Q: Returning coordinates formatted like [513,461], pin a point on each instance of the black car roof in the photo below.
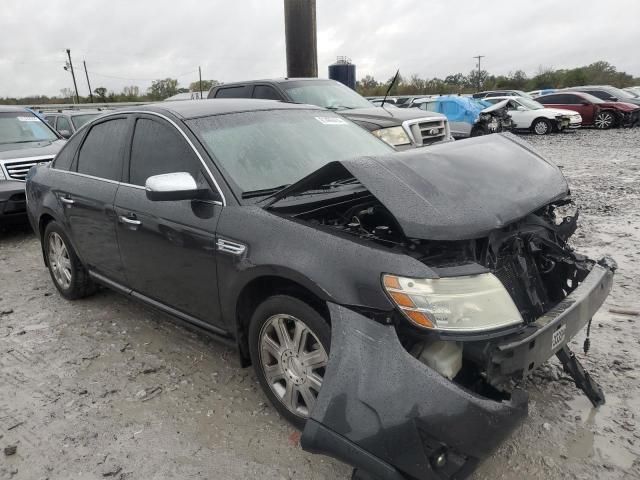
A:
[201,108]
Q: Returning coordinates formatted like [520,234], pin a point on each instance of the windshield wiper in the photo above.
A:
[339,107]
[24,141]
[263,192]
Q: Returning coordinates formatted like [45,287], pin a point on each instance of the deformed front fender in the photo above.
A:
[383,411]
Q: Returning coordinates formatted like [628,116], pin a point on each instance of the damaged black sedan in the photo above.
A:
[392,304]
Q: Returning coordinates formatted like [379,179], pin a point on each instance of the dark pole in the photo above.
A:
[200,75]
[300,38]
[479,57]
[73,75]
[85,72]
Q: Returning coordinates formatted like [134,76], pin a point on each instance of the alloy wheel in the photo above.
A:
[604,120]
[59,261]
[541,128]
[293,361]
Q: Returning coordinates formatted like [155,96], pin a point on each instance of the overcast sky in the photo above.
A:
[126,42]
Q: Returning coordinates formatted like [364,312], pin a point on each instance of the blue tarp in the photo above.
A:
[457,108]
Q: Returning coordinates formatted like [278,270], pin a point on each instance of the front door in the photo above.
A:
[168,247]
[88,195]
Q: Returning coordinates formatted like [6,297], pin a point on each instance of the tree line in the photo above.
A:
[598,73]
[159,90]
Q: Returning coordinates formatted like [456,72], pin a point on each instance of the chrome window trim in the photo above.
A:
[184,135]
[176,126]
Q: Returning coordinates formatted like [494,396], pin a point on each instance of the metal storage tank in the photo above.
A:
[344,72]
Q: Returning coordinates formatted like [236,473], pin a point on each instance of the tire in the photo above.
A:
[67,272]
[477,132]
[541,126]
[604,120]
[290,372]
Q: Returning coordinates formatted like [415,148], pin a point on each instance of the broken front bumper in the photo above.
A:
[383,411]
[12,199]
[520,354]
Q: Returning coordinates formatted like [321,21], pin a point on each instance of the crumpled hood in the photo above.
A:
[11,151]
[451,191]
[384,117]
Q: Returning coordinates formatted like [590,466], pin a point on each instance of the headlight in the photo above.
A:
[471,303]
[393,136]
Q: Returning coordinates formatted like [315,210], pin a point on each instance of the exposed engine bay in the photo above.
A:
[531,257]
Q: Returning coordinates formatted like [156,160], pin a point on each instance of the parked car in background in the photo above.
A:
[377,101]
[25,140]
[187,96]
[527,114]
[392,303]
[67,122]
[401,128]
[501,93]
[607,93]
[468,117]
[595,112]
[537,93]
[633,90]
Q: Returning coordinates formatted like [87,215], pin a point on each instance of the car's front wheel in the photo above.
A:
[541,126]
[604,120]
[67,272]
[289,344]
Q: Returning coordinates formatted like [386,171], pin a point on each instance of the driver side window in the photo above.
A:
[158,148]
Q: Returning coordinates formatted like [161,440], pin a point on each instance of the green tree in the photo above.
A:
[163,88]
[101,92]
[206,85]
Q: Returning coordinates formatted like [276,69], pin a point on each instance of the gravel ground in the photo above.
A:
[106,388]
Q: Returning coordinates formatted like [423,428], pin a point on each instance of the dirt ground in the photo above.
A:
[106,388]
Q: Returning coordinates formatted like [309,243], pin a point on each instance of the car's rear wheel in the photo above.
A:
[604,120]
[542,126]
[67,272]
[289,344]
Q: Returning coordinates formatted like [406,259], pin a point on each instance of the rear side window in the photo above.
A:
[450,108]
[266,92]
[63,124]
[550,99]
[602,95]
[65,157]
[157,149]
[101,153]
[234,92]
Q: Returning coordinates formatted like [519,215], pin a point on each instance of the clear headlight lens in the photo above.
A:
[394,136]
[472,303]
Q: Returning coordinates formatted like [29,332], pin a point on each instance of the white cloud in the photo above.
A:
[130,43]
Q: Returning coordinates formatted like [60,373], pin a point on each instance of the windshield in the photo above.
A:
[530,104]
[23,127]
[326,94]
[268,150]
[79,120]
[591,98]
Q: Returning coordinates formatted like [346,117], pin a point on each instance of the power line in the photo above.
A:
[479,58]
[140,79]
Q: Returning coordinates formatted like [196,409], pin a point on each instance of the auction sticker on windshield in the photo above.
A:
[331,120]
[28,119]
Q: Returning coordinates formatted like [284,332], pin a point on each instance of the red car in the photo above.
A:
[596,112]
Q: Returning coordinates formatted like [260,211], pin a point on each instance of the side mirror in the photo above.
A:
[65,133]
[172,186]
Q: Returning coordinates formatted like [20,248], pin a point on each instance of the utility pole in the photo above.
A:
[88,83]
[479,58]
[300,38]
[200,75]
[69,66]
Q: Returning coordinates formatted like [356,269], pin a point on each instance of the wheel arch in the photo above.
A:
[553,122]
[45,219]
[256,291]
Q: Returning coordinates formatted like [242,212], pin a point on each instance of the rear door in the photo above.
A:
[581,105]
[168,247]
[455,113]
[88,191]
